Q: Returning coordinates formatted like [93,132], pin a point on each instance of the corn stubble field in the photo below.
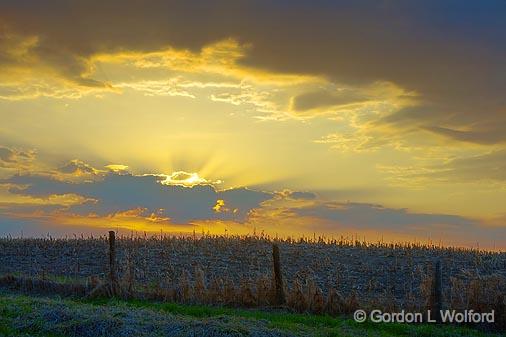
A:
[320,276]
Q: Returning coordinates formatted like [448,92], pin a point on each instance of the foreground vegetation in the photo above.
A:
[325,277]
[21,315]
[320,275]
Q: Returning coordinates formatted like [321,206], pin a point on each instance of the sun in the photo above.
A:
[185,179]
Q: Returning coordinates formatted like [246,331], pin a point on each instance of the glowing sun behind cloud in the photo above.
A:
[186,179]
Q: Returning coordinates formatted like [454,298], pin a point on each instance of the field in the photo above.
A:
[326,277]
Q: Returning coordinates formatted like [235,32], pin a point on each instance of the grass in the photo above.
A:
[12,306]
[277,319]
[317,325]
[7,315]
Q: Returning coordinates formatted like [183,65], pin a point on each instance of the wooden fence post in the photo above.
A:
[437,292]
[278,279]
[112,261]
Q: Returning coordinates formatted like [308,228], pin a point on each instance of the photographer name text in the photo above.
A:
[446,316]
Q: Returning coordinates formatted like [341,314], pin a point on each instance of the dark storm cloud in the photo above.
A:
[449,52]
[120,192]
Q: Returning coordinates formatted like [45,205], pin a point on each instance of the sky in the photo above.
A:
[383,120]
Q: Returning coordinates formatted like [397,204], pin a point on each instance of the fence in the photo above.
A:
[130,273]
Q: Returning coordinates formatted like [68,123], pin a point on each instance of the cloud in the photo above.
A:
[41,224]
[187,179]
[169,87]
[372,216]
[237,198]
[10,156]
[491,136]
[349,44]
[148,202]
[297,195]
[14,158]
[324,99]
[302,195]
[29,68]
[117,167]
[373,75]
[116,192]
[488,168]
[77,167]
[375,222]
[18,227]
[349,141]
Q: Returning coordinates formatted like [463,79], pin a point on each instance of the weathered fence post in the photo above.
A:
[112,261]
[278,279]
[437,292]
